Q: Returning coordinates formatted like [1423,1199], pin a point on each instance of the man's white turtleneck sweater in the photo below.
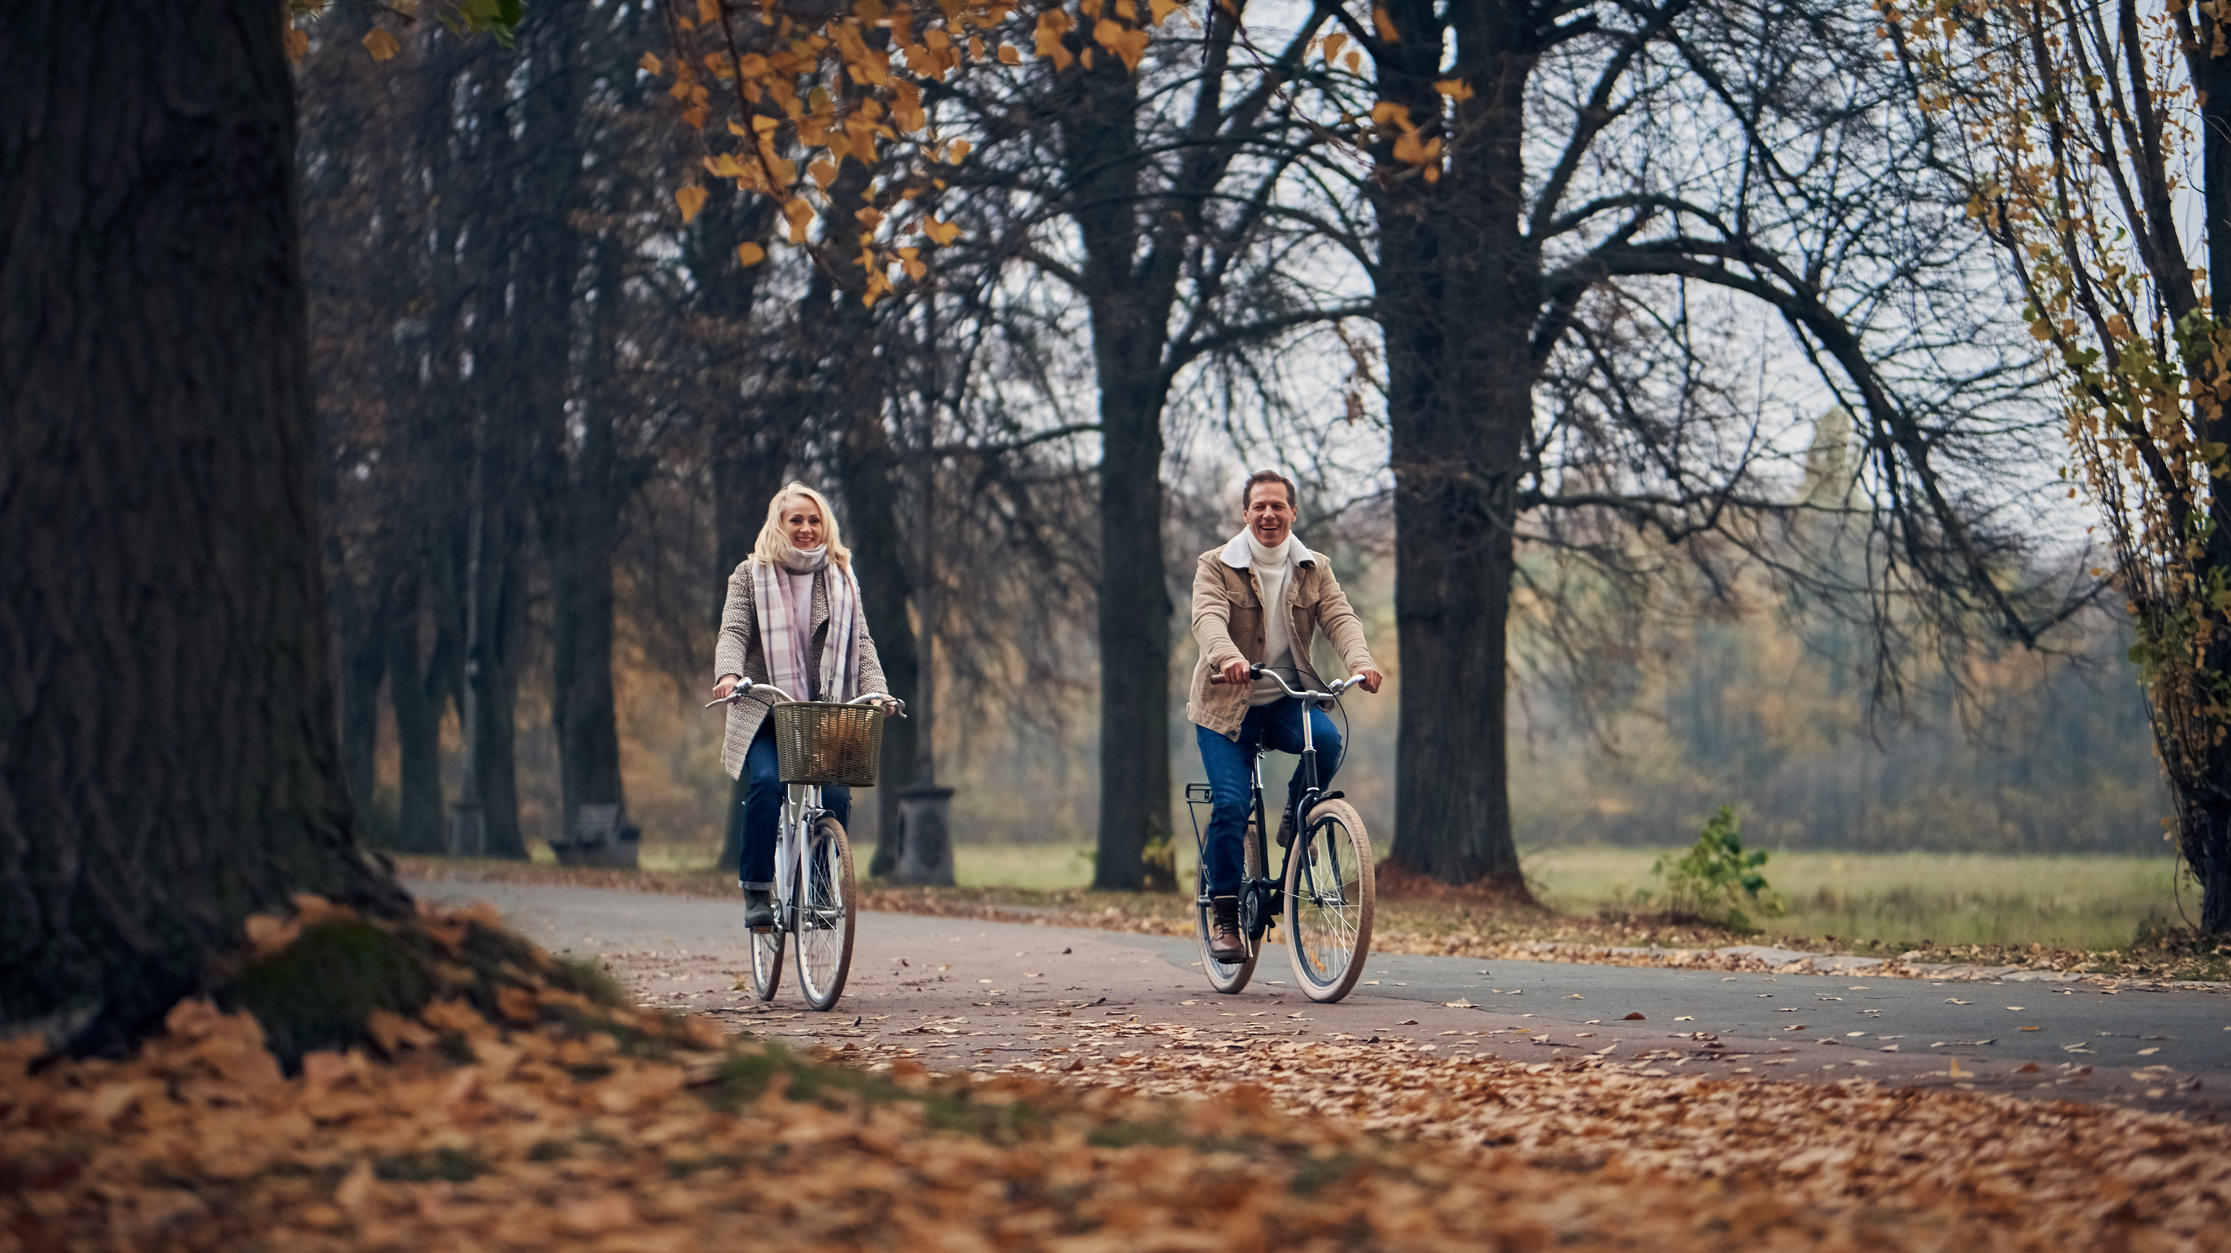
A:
[1273,567]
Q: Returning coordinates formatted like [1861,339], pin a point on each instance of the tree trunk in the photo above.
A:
[879,562]
[363,644]
[1130,299]
[2206,819]
[494,659]
[414,693]
[1134,624]
[1458,291]
[582,702]
[748,449]
[168,759]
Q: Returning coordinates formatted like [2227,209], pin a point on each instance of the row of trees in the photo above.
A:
[1559,218]
[1546,184]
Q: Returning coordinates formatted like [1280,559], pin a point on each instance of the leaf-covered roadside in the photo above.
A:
[1414,917]
[2074,1175]
[557,1121]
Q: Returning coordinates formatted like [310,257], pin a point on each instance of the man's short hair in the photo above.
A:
[1247,490]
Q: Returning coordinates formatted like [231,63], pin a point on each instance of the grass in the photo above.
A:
[1933,900]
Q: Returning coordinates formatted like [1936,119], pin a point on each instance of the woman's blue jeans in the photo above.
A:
[763,797]
[1230,766]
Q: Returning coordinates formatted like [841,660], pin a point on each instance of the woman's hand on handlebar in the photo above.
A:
[727,686]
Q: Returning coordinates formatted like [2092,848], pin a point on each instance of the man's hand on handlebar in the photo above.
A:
[1237,670]
[1371,679]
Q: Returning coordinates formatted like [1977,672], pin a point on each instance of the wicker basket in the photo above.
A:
[827,743]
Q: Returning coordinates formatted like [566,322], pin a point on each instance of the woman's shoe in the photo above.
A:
[759,909]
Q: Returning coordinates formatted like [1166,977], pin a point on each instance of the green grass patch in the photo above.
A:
[1911,900]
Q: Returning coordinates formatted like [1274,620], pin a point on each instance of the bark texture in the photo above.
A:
[1459,290]
[168,757]
[1129,288]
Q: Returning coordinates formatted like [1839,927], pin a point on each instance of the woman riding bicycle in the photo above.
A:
[1263,565]
[793,619]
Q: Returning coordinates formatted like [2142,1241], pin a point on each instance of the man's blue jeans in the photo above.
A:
[1230,766]
[763,798]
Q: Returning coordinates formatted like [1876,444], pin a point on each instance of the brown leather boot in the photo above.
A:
[1225,944]
[1286,827]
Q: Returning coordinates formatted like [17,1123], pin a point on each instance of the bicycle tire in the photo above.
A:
[766,962]
[1331,896]
[1228,977]
[825,916]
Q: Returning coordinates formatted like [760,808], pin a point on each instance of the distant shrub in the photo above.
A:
[1717,880]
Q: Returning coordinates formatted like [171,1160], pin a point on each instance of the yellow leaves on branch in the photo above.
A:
[1127,42]
[382,44]
[805,97]
[1052,25]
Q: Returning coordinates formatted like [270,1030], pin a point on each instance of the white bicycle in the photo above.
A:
[817,743]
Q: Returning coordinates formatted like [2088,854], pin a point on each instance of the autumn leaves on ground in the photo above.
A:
[435,1083]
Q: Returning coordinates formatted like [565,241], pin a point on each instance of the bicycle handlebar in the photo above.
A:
[745,686]
[1258,670]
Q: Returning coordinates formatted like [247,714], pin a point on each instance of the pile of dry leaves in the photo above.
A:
[538,1115]
[2070,1175]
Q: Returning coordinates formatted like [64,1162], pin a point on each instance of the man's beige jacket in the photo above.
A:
[1228,623]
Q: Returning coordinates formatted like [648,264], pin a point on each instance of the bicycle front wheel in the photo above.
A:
[766,962]
[825,907]
[1330,895]
[1230,977]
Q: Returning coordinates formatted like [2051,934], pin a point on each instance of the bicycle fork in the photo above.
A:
[801,805]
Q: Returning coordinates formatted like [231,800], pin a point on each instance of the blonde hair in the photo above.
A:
[773,541]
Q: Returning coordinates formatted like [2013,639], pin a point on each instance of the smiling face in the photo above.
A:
[802,522]
[1269,514]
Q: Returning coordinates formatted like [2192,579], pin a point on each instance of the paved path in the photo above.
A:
[964,993]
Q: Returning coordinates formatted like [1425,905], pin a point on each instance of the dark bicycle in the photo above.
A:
[1324,888]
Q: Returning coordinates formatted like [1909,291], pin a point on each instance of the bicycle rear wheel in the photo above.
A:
[1229,977]
[825,907]
[1330,896]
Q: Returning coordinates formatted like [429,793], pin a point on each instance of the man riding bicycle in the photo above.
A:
[1264,565]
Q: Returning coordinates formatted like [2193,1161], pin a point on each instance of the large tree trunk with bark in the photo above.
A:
[582,705]
[750,454]
[168,759]
[1134,621]
[1459,287]
[865,468]
[1130,299]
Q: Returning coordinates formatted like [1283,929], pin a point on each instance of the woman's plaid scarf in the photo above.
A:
[778,638]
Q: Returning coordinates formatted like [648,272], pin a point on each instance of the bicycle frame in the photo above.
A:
[1266,897]
[801,809]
